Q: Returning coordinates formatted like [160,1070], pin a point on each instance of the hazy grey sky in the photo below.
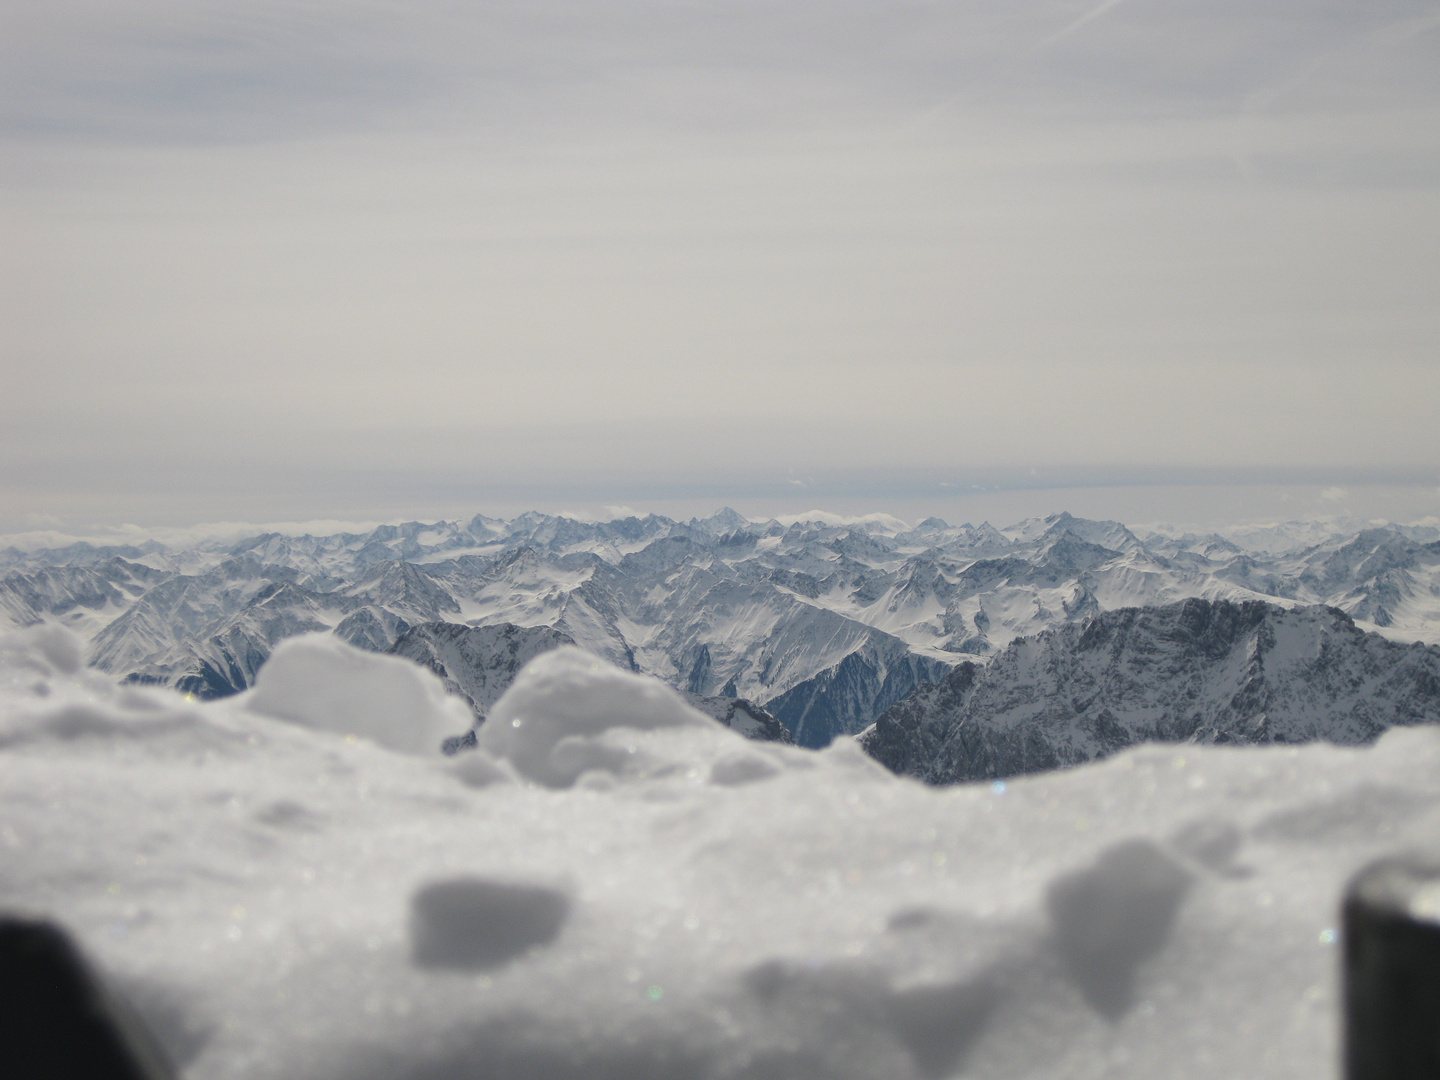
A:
[368,259]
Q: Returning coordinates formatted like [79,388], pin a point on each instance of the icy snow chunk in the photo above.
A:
[61,648]
[562,714]
[480,770]
[1111,917]
[320,682]
[48,697]
[43,650]
[470,924]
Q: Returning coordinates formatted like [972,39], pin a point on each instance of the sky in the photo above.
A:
[371,260]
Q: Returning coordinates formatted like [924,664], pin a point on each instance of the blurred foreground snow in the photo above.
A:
[614,885]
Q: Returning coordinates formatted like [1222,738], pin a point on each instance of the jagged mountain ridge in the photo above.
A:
[1197,671]
[477,663]
[208,634]
[741,715]
[825,624]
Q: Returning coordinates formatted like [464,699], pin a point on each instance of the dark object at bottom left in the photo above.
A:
[58,1020]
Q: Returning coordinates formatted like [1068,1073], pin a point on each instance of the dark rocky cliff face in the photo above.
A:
[840,699]
[908,736]
[1197,671]
[477,662]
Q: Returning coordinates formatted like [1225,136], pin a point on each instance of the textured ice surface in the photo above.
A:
[620,887]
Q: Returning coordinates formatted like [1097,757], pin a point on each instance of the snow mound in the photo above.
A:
[43,652]
[320,682]
[569,713]
[51,700]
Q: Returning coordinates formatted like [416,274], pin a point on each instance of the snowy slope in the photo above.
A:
[83,597]
[1198,672]
[281,898]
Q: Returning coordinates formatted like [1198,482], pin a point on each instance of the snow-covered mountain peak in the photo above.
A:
[722,522]
[1106,534]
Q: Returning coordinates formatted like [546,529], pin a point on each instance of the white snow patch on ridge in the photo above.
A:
[569,714]
[618,887]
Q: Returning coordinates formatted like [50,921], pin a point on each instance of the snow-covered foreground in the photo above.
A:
[616,886]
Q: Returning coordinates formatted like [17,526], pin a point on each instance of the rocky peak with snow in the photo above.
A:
[1199,671]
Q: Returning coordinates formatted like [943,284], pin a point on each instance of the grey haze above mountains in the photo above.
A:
[824,625]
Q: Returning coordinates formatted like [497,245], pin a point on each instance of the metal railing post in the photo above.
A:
[1391,949]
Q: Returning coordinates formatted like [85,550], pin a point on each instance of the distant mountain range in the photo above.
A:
[823,625]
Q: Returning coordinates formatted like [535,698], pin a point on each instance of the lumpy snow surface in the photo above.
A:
[615,886]
[320,682]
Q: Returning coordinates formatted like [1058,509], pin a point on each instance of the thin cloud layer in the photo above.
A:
[338,256]
[174,70]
